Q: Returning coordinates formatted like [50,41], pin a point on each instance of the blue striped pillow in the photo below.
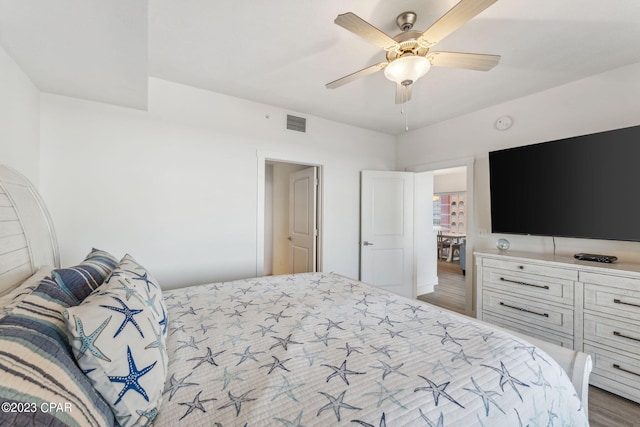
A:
[79,281]
[37,367]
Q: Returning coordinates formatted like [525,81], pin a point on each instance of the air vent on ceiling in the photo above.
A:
[296,123]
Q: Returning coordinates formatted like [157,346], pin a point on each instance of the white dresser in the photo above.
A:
[581,305]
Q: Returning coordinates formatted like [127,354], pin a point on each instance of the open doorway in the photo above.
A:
[292,218]
[452,223]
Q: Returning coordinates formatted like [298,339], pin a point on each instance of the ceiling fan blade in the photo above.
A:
[470,61]
[403,93]
[462,12]
[353,76]
[359,26]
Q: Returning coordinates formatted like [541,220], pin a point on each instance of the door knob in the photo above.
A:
[289,238]
[365,243]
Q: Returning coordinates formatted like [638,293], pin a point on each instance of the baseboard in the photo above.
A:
[427,288]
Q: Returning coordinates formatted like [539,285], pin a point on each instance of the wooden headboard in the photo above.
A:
[27,237]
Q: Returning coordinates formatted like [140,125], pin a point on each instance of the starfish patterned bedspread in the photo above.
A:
[321,349]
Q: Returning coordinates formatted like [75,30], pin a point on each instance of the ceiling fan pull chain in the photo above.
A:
[405,96]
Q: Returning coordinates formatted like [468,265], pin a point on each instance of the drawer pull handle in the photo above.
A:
[616,366]
[618,334]
[524,284]
[524,309]
[617,301]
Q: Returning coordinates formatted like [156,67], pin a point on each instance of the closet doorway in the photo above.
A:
[292,221]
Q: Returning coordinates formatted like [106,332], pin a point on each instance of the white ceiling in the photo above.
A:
[282,52]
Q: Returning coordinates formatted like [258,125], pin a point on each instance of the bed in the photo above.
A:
[100,343]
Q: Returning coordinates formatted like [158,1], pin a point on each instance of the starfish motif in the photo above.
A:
[227,377]
[394,334]
[506,378]
[237,401]
[540,381]
[247,355]
[143,277]
[263,330]
[448,338]
[130,380]
[175,385]
[209,358]
[462,356]
[350,349]
[341,372]
[205,328]
[331,324]
[235,313]
[157,343]
[383,422]
[163,321]
[128,316]
[185,312]
[386,320]
[190,343]
[196,403]
[443,325]
[431,423]
[487,396]
[532,352]
[437,390]
[276,316]
[286,389]
[245,304]
[151,301]
[284,342]
[388,369]
[308,313]
[294,423]
[311,357]
[88,342]
[129,292]
[363,301]
[276,364]
[413,308]
[384,350]
[384,394]
[323,338]
[336,403]
[150,415]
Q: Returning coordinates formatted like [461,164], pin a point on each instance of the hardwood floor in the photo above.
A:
[449,292]
[605,409]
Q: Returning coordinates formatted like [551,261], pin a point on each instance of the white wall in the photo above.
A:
[450,182]
[268,220]
[602,102]
[19,119]
[177,186]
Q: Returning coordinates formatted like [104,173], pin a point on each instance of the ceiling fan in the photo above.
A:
[409,55]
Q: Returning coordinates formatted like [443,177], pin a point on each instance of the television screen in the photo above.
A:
[585,186]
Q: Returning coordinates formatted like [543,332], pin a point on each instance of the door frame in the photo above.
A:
[262,157]
[470,221]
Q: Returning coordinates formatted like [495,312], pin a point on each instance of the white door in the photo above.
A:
[386,231]
[302,220]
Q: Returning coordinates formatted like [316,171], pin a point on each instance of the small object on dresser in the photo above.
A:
[595,257]
[502,244]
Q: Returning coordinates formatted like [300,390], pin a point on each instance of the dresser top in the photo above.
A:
[562,261]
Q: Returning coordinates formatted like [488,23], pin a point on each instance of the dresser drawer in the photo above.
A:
[619,302]
[526,329]
[542,270]
[630,283]
[529,312]
[527,284]
[614,372]
[612,333]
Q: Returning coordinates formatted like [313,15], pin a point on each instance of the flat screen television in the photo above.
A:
[586,187]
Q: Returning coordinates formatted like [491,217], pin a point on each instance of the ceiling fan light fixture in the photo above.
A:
[407,69]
